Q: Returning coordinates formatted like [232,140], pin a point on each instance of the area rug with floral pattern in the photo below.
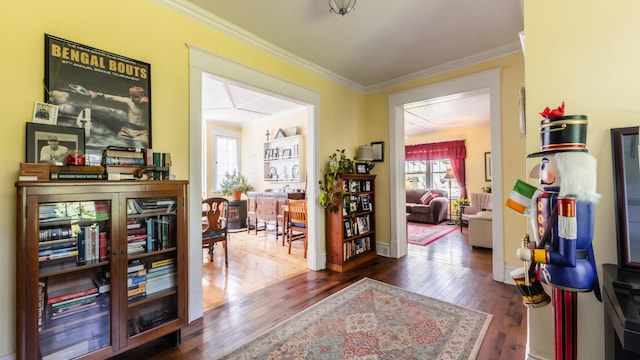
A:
[425,234]
[373,320]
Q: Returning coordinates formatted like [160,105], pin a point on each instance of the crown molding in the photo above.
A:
[210,20]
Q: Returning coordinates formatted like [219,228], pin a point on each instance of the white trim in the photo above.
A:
[203,61]
[487,81]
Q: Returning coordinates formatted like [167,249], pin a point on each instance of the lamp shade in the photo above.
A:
[449,175]
[365,153]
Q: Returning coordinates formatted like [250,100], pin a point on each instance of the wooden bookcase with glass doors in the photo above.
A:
[101,266]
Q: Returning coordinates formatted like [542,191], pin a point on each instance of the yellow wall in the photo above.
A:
[587,59]
[477,141]
[144,31]
[148,32]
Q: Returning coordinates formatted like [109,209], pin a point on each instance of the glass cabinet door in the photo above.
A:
[74,239]
[152,297]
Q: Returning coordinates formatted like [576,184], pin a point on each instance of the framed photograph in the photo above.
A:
[487,166]
[105,94]
[44,113]
[286,153]
[51,143]
[293,130]
[378,151]
[361,168]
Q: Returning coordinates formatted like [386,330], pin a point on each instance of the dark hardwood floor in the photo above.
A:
[448,269]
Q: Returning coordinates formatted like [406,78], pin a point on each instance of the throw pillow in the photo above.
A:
[426,198]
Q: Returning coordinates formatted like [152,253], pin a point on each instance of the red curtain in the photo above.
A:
[455,151]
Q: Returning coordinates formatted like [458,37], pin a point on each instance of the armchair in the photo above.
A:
[479,202]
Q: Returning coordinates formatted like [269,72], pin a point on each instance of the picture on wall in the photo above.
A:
[51,143]
[105,94]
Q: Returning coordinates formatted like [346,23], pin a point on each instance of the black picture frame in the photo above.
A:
[362,168]
[487,166]
[378,151]
[626,167]
[37,137]
[106,94]
[286,153]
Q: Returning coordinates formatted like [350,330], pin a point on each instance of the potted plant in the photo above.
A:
[234,185]
[339,164]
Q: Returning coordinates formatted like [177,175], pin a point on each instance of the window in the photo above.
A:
[429,174]
[225,158]
[221,155]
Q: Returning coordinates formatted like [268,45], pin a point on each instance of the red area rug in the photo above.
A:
[425,234]
[373,320]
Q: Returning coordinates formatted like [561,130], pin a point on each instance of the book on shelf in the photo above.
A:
[76,169]
[136,296]
[103,285]
[72,292]
[161,268]
[124,153]
[64,255]
[169,269]
[158,263]
[113,160]
[75,302]
[136,280]
[42,291]
[76,176]
[57,244]
[138,289]
[57,233]
[135,265]
[75,311]
[126,148]
[136,273]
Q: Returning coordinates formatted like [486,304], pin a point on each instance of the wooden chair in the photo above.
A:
[267,212]
[298,222]
[214,225]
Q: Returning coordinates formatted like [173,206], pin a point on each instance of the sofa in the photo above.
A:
[433,212]
[480,232]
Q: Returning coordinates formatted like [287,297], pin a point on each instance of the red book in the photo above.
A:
[103,245]
[72,293]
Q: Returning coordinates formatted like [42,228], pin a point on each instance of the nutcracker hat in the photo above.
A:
[561,133]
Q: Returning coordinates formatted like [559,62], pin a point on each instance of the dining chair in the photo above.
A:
[214,225]
[297,224]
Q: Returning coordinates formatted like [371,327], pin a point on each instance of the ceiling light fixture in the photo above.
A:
[342,7]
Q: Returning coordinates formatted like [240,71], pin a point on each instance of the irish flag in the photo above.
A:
[521,196]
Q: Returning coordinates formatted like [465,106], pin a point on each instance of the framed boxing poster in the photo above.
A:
[107,95]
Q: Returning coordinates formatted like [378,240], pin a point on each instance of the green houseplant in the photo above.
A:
[234,185]
[339,164]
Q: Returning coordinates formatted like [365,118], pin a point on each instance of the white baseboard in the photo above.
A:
[383,249]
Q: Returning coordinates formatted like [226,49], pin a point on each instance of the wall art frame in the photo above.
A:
[487,166]
[44,113]
[378,151]
[106,94]
[38,135]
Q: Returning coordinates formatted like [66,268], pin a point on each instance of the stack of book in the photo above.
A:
[161,275]
[57,243]
[158,165]
[76,172]
[124,163]
[71,301]
[136,280]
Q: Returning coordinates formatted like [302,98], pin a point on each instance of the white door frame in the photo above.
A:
[489,80]
[203,61]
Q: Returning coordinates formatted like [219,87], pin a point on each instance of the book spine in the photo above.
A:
[162,262]
[103,246]
[124,154]
[109,160]
[72,295]
[149,235]
[76,176]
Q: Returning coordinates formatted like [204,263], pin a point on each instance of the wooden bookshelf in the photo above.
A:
[86,253]
[351,236]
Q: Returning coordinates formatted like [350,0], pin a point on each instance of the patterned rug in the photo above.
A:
[373,320]
[425,234]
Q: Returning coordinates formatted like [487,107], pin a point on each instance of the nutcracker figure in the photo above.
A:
[562,221]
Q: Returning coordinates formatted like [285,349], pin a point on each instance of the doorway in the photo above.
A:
[489,80]
[201,61]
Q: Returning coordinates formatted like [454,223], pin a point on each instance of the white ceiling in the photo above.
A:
[381,43]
